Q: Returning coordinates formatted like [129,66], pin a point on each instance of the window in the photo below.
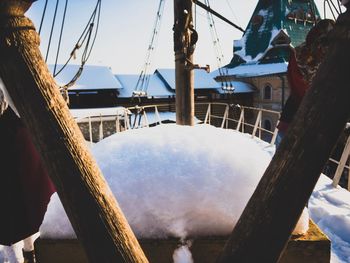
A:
[257,21]
[267,92]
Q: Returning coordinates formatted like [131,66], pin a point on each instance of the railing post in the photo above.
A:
[145,119]
[126,120]
[258,120]
[100,129]
[241,118]
[274,136]
[342,163]
[117,124]
[225,116]
[90,130]
[207,115]
[157,114]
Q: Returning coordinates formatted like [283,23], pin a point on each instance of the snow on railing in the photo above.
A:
[146,116]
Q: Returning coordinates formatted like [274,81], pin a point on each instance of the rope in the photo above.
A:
[60,38]
[85,38]
[144,78]
[332,7]
[51,32]
[43,16]
[217,48]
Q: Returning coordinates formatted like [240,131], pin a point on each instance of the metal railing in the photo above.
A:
[248,120]
[342,165]
[243,124]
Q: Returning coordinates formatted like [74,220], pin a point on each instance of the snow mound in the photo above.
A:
[176,181]
[329,207]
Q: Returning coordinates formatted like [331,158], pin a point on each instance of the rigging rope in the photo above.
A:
[218,50]
[60,38]
[335,10]
[86,34]
[43,16]
[84,39]
[51,32]
[144,78]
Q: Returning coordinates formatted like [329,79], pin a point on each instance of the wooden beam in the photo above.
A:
[90,205]
[271,214]
[184,44]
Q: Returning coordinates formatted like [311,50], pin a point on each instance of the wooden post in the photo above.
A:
[184,43]
[267,222]
[90,205]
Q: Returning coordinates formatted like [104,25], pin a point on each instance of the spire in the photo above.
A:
[274,23]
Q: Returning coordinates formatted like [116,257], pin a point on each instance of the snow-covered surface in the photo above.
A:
[93,112]
[200,188]
[177,195]
[202,79]
[239,87]
[156,87]
[92,77]
[254,69]
[184,176]
[329,207]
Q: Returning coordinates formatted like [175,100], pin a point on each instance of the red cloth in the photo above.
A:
[298,87]
[25,188]
[297,84]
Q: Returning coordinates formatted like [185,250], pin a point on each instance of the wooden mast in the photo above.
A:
[184,43]
[272,212]
[91,207]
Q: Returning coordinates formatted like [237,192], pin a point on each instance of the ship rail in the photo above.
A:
[243,119]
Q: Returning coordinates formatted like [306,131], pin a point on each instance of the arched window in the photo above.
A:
[267,92]
[267,125]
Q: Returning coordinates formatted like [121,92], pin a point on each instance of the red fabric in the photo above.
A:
[282,126]
[25,188]
[298,87]
[296,81]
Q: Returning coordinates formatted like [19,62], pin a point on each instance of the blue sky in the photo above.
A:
[125,31]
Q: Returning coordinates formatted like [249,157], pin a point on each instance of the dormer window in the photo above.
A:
[257,21]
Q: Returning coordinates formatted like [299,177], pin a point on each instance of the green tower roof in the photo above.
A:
[274,24]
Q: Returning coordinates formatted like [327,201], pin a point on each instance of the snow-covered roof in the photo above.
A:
[83,113]
[156,87]
[255,70]
[239,87]
[92,77]
[202,79]
[269,19]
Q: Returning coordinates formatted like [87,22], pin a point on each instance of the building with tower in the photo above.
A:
[261,56]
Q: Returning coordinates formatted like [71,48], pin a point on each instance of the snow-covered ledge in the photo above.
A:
[178,184]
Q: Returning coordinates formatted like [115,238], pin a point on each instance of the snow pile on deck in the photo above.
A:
[329,207]
[176,181]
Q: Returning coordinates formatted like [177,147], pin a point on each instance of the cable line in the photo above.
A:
[335,10]
[51,32]
[144,78]
[43,16]
[84,40]
[60,38]
[207,8]
[218,50]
